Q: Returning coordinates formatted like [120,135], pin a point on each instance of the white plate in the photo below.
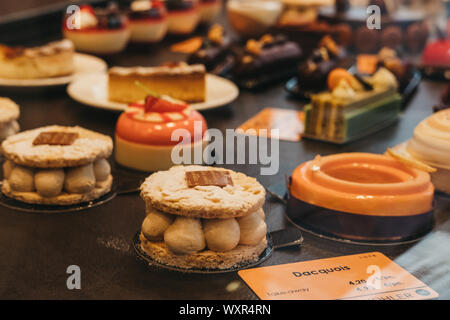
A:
[92,90]
[84,64]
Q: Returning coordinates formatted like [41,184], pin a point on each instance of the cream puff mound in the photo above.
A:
[207,259]
[203,239]
[53,186]
[203,243]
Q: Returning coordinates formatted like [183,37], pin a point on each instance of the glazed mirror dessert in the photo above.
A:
[203,218]
[144,133]
[57,165]
[361,196]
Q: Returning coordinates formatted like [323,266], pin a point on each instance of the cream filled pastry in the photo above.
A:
[429,148]
[203,217]
[56,165]
[9,113]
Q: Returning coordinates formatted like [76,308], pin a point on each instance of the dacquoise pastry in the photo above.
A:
[9,113]
[54,59]
[203,218]
[57,165]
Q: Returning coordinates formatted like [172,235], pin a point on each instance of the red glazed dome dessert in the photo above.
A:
[437,53]
[148,20]
[146,134]
[361,196]
[436,59]
[99,31]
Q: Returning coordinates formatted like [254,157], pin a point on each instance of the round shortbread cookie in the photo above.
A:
[207,259]
[168,191]
[62,199]
[9,110]
[88,147]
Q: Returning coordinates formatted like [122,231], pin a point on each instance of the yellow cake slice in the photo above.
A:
[181,81]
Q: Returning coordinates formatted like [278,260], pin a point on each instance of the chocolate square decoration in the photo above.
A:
[219,178]
[55,138]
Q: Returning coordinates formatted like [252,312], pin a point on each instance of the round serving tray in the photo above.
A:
[279,192]
[152,263]
[84,64]
[358,229]
[39,208]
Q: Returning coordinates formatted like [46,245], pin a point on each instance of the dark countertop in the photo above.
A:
[36,249]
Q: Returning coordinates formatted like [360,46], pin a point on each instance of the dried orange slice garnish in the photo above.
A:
[188,46]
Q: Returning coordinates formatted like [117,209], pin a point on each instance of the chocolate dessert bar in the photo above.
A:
[266,60]
[214,51]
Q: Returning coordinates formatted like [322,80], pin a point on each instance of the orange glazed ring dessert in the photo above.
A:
[361,196]
[144,134]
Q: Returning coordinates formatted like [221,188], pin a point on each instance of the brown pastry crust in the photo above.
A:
[63,199]
[86,149]
[206,259]
[168,192]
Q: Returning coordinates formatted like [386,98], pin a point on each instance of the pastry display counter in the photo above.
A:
[36,249]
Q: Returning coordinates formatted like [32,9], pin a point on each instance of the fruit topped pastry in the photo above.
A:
[353,106]
[436,58]
[100,31]
[214,49]
[268,57]
[313,73]
[148,20]
[144,133]
[368,64]
[183,16]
